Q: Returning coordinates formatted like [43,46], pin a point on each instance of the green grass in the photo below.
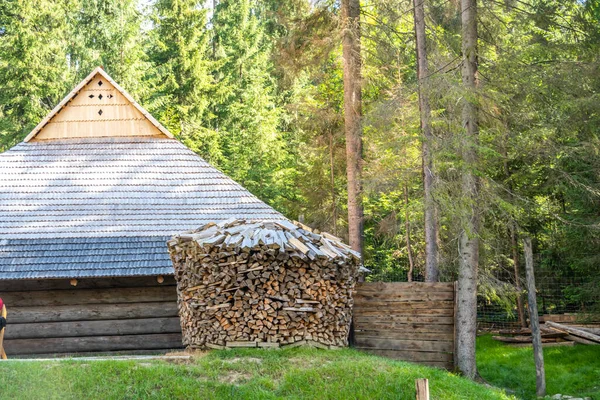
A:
[239,374]
[574,371]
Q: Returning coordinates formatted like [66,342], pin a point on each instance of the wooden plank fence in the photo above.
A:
[406,321]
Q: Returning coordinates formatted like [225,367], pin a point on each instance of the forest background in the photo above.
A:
[256,88]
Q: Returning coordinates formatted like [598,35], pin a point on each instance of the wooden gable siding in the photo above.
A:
[98,315]
[98,110]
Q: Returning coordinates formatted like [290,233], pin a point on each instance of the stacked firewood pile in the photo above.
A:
[553,333]
[263,284]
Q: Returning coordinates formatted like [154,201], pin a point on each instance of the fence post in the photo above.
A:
[538,352]
[422,387]
[455,342]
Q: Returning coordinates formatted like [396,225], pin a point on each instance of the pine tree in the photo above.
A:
[352,119]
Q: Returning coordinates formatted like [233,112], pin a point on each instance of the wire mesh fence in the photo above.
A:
[560,298]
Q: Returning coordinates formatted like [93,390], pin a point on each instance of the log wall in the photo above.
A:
[96,316]
[406,321]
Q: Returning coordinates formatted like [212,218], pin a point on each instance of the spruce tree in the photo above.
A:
[180,77]
[33,70]
[245,111]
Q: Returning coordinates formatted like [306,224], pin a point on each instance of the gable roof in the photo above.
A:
[105,206]
[85,205]
[97,107]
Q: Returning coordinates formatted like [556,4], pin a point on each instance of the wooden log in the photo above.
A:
[268,345]
[522,339]
[552,344]
[595,331]
[422,389]
[82,283]
[580,340]
[90,296]
[574,331]
[92,312]
[93,328]
[241,344]
[300,309]
[93,344]
[538,353]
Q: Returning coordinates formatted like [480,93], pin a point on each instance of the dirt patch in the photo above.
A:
[180,361]
[234,377]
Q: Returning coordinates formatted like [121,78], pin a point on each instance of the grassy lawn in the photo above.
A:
[239,374]
[574,371]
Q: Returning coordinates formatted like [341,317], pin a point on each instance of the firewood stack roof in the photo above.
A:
[297,239]
[263,284]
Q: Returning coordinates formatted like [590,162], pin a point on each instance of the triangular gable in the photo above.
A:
[97,107]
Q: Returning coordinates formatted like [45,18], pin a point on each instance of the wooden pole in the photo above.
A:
[422,386]
[538,354]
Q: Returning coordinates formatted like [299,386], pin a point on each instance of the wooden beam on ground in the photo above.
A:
[552,344]
[574,331]
[536,335]
[579,340]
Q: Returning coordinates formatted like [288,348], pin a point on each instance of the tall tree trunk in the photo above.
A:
[352,118]
[469,239]
[431,224]
[516,265]
[332,177]
[513,235]
[411,263]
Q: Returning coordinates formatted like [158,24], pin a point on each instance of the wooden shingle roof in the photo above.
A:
[105,206]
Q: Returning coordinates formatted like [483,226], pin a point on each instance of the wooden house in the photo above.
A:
[87,203]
